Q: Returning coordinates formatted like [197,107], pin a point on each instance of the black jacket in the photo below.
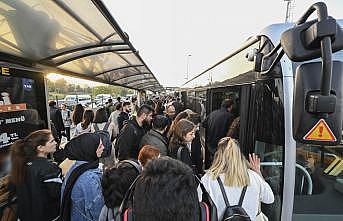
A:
[185,154]
[39,196]
[170,121]
[123,116]
[155,139]
[129,138]
[216,124]
[56,118]
[196,153]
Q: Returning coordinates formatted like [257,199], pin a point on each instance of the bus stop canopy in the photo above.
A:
[78,38]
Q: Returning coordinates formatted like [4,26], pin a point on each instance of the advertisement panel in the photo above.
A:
[22,104]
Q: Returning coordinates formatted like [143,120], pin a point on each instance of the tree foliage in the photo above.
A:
[62,87]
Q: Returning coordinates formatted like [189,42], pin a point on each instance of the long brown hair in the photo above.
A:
[180,116]
[25,150]
[88,117]
[183,127]
[77,114]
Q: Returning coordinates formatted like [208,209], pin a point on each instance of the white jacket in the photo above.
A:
[258,190]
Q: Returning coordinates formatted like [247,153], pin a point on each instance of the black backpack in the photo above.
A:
[233,213]
[106,139]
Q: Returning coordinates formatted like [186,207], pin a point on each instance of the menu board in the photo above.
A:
[22,104]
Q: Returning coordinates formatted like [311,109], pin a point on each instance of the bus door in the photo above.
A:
[260,109]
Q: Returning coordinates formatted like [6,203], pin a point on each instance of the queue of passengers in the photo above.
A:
[153,175]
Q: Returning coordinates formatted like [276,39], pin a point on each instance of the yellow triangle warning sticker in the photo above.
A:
[320,132]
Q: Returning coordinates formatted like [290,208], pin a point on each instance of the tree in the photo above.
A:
[71,88]
[102,90]
[61,85]
[51,85]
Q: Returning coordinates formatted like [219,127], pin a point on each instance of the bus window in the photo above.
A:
[200,102]
[219,94]
[319,185]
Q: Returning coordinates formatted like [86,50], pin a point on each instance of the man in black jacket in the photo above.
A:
[56,118]
[217,124]
[127,144]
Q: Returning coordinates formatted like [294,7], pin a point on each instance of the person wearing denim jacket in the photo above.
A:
[86,195]
[82,198]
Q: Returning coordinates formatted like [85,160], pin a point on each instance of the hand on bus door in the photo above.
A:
[254,163]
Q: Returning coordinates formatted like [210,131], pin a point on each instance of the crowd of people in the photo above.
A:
[145,162]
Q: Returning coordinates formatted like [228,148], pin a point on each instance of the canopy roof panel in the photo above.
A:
[75,37]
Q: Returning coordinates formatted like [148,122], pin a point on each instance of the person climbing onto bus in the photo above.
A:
[232,176]
[216,125]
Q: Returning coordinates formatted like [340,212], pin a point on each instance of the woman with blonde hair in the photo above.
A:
[231,170]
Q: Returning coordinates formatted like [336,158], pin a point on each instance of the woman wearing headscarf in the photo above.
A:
[82,199]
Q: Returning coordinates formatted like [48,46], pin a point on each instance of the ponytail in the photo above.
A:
[18,161]
[24,151]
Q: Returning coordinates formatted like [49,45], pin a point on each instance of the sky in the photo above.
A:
[54,77]
[169,34]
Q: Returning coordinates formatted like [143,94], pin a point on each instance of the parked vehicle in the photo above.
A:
[101,99]
[72,100]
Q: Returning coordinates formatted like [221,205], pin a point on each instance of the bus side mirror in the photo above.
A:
[317,119]
[302,42]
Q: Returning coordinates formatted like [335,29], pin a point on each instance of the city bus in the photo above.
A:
[270,81]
